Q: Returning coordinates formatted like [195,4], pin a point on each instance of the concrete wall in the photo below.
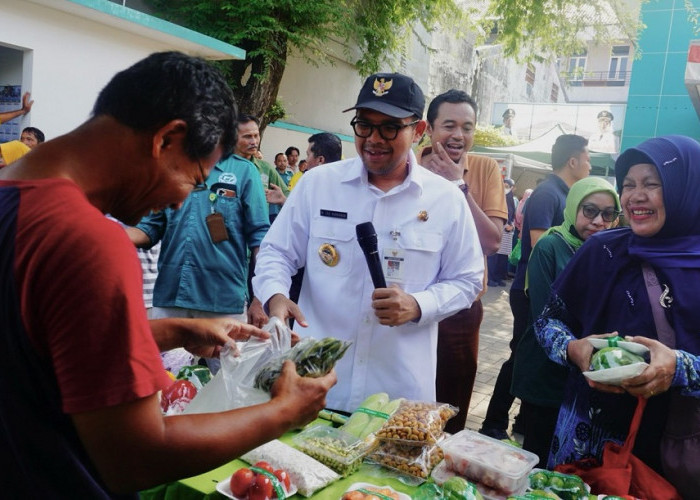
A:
[66,58]
[316,95]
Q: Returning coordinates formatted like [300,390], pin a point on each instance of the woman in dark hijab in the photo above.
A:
[603,291]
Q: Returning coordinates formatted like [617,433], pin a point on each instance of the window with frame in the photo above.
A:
[619,60]
[577,66]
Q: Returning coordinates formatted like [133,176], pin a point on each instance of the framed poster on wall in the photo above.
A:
[10,99]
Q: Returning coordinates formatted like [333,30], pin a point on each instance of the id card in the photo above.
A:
[393,264]
[216,227]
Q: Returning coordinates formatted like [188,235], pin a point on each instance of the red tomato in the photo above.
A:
[261,489]
[283,478]
[265,466]
[241,481]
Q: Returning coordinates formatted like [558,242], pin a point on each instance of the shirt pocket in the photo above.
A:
[232,211]
[335,239]
[423,255]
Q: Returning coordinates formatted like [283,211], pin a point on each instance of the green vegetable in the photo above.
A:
[198,375]
[371,415]
[538,480]
[611,357]
[428,491]
[313,358]
[458,488]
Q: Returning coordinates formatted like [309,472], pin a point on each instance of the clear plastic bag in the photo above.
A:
[308,474]
[313,358]
[233,385]
[417,422]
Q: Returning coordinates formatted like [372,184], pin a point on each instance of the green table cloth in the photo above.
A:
[204,486]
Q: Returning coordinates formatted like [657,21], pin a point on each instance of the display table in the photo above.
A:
[204,486]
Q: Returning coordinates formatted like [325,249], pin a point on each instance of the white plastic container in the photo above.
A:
[488,461]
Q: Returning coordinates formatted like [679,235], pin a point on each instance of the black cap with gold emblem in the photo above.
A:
[393,94]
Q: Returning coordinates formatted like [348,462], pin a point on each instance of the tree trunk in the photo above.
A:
[256,80]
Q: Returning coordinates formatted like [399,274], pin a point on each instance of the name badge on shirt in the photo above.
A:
[334,214]
[393,264]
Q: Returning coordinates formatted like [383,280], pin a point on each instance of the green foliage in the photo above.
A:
[375,33]
[490,136]
[382,28]
[538,30]
[265,28]
[276,112]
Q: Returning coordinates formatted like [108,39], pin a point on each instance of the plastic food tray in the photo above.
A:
[488,461]
[339,450]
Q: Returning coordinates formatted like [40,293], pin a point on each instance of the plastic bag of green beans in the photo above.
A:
[313,358]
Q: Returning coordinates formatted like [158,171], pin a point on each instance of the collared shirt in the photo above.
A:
[426,219]
[286,176]
[483,176]
[270,175]
[193,272]
[545,208]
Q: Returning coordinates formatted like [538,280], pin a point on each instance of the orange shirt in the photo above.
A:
[483,176]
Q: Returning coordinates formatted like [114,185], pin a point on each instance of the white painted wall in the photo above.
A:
[66,60]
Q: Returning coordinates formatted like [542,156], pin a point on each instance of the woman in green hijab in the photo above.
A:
[592,205]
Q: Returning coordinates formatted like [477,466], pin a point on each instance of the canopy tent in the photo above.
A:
[540,149]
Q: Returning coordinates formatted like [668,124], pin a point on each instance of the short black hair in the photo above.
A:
[453,96]
[168,86]
[567,146]
[278,155]
[327,145]
[289,150]
[38,134]
[245,118]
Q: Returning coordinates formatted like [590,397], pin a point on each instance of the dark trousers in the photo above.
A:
[458,350]
[498,267]
[502,399]
[539,422]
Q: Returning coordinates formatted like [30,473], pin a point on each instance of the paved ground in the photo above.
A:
[496,332]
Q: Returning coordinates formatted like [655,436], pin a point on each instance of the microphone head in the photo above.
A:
[366,236]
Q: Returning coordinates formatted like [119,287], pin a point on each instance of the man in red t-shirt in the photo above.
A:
[81,367]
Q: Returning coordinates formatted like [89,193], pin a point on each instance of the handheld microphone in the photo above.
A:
[367,238]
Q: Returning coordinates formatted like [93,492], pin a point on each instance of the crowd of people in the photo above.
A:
[241,240]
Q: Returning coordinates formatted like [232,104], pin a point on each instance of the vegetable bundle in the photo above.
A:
[313,358]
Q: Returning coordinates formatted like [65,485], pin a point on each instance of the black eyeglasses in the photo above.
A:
[201,186]
[591,212]
[387,131]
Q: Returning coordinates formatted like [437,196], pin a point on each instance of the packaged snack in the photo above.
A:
[308,474]
[488,461]
[409,459]
[416,422]
[339,450]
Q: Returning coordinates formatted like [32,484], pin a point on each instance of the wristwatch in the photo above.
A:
[463,186]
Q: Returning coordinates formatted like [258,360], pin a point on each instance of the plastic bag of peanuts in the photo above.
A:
[417,461]
[417,422]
